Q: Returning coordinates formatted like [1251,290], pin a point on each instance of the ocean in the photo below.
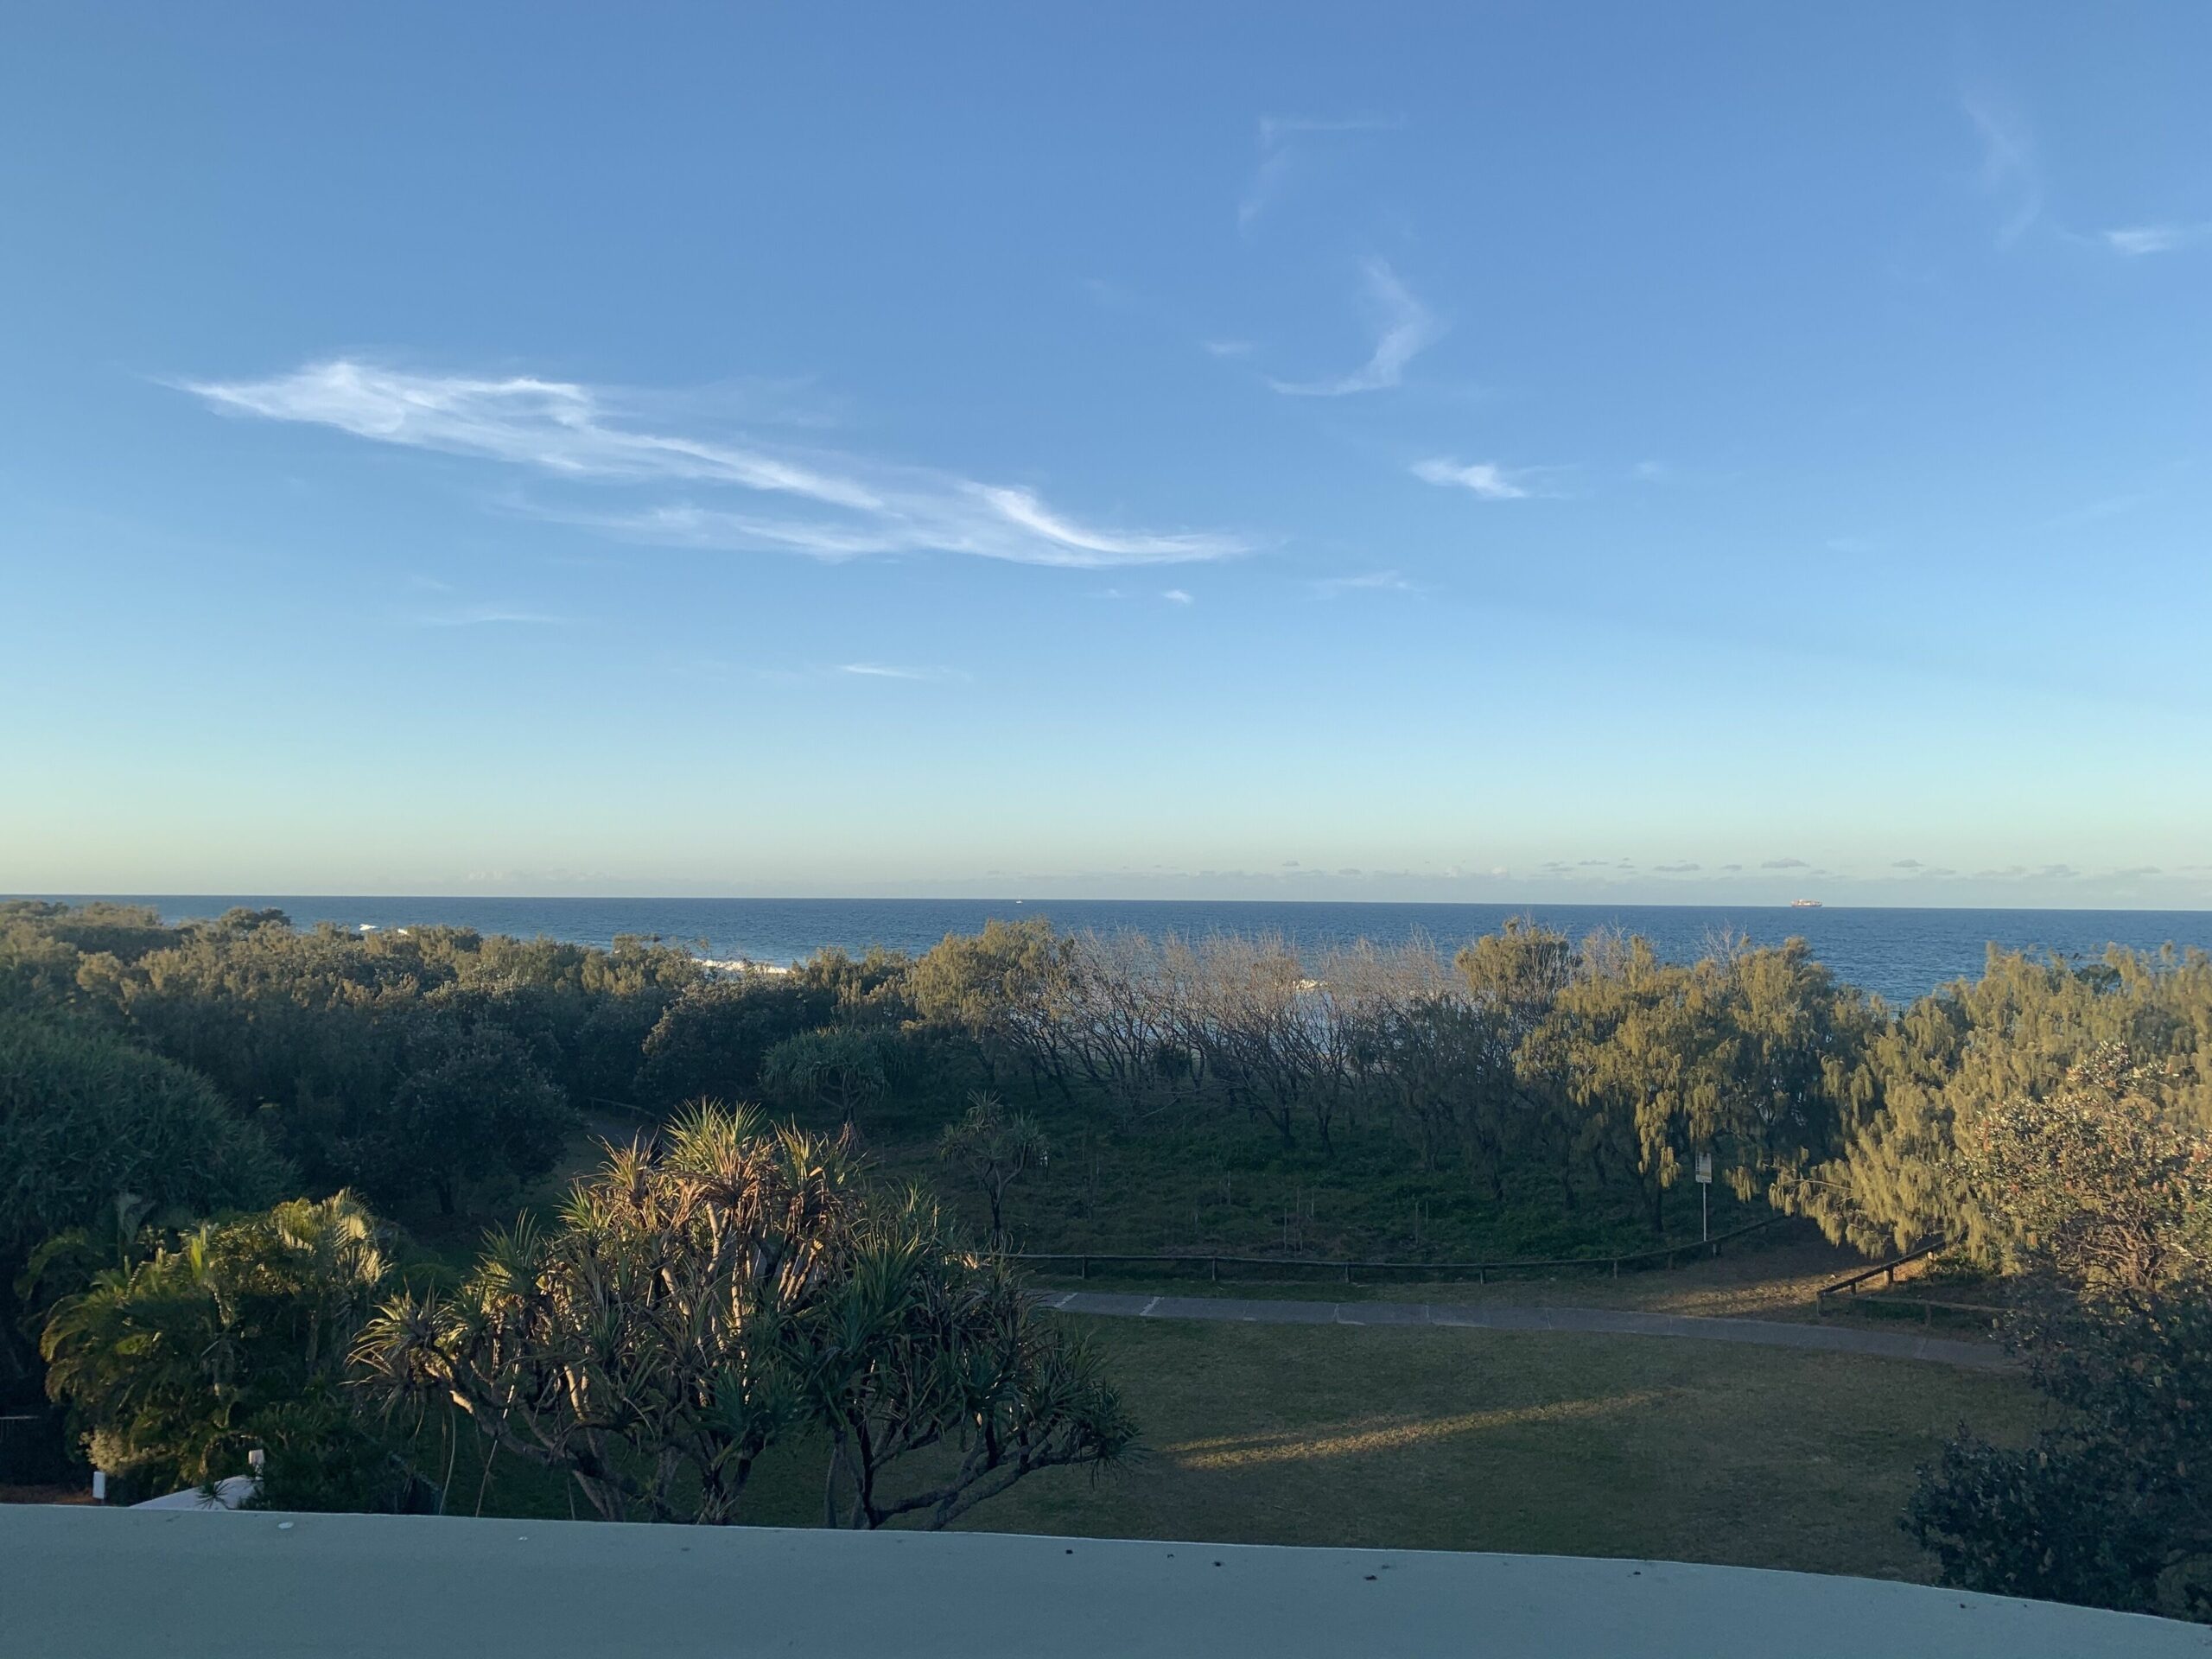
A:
[1901,954]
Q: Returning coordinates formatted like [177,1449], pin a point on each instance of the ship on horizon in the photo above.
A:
[1804,904]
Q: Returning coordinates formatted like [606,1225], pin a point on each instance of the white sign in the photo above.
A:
[1705,1168]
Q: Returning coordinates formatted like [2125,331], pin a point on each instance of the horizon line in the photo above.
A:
[956,898]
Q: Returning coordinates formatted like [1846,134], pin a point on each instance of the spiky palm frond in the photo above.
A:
[710,1293]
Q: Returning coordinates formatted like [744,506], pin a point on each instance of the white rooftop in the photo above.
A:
[105,1582]
[228,1493]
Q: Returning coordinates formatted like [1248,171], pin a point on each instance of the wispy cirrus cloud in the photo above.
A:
[824,504]
[898,672]
[1177,596]
[2136,241]
[1485,478]
[1276,129]
[1371,581]
[1405,328]
[2011,175]
[1278,155]
[476,616]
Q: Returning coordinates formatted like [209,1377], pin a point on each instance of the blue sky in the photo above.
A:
[1723,453]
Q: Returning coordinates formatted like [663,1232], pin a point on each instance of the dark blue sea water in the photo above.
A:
[1901,954]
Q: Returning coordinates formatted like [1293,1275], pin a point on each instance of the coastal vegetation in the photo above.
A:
[699,1302]
[1436,1439]
[247,1164]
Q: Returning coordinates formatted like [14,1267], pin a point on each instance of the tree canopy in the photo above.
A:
[168,1361]
[1942,1069]
[2098,1199]
[726,1288]
[86,1117]
[732,1286]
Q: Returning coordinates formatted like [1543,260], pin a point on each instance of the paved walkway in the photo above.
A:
[1605,1321]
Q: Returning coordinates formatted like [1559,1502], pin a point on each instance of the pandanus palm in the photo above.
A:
[706,1296]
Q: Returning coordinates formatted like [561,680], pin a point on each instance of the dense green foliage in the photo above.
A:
[168,1362]
[471,1101]
[730,1289]
[97,1133]
[1946,1064]
[407,1064]
[1531,1095]
[1527,1088]
[840,1068]
[1598,1069]
[85,1116]
[2099,1199]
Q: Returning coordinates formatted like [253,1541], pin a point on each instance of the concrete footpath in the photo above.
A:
[1600,1321]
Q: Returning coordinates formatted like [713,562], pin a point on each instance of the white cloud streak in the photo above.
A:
[1277,153]
[894,671]
[1405,327]
[475,616]
[2009,171]
[1267,184]
[824,505]
[1372,581]
[2135,241]
[1274,128]
[1485,478]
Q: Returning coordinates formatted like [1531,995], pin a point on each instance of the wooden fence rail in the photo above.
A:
[1886,1270]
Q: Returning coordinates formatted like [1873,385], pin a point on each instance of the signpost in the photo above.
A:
[1704,1197]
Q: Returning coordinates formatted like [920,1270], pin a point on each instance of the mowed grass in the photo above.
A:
[1540,1443]
[1552,1444]
[1438,1438]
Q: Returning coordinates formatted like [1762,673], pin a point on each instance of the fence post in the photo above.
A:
[1617,1267]
[1083,1267]
[1213,1269]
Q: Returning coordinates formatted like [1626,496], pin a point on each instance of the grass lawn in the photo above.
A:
[1543,1443]
[1431,1438]
[1427,1438]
